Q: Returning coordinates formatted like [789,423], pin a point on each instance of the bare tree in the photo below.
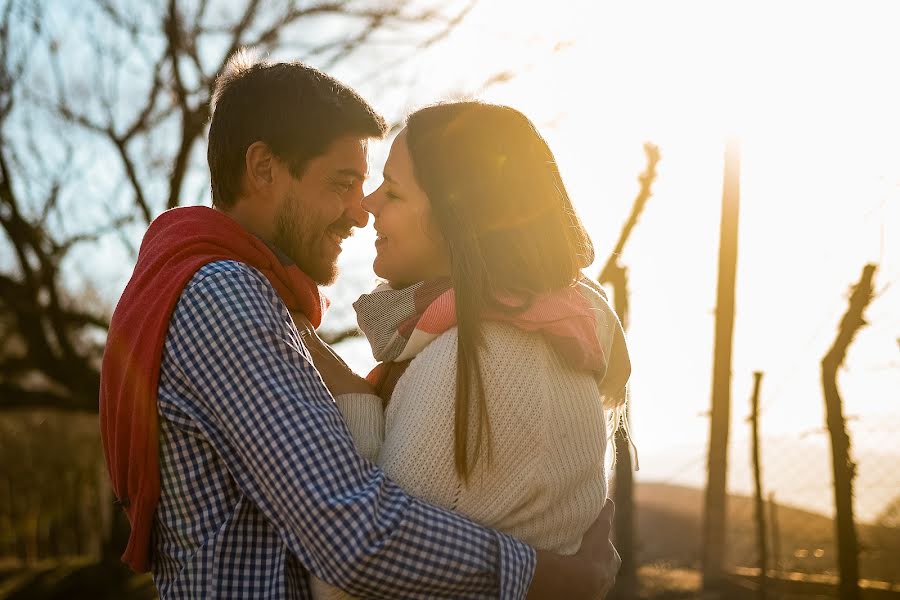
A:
[103,106]
[49,349]
[843,467]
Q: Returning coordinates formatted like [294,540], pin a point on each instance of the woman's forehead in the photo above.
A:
[399,164]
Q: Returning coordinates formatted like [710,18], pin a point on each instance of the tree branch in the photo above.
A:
[13,396]
[646,178]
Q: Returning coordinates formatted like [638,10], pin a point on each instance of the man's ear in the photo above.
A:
[259,163]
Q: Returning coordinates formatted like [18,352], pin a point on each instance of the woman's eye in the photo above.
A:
[391,195]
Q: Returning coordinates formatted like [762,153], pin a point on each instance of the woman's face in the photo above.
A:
[409,245]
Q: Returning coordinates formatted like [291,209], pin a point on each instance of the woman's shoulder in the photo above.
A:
[506,351]
[497,338]
[506,337]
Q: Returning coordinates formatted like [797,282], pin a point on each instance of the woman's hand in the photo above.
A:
[338,377]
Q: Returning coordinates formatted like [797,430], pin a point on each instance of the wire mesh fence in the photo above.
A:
[799,503]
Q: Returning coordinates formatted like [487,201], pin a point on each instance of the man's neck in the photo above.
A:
[247,219]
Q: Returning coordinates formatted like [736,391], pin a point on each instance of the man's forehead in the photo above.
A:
[348,155]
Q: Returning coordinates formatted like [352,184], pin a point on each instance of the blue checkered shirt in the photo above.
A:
[260,481]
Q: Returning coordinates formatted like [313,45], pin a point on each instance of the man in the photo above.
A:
[225,449]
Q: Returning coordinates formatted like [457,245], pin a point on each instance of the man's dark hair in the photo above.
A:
[296,110]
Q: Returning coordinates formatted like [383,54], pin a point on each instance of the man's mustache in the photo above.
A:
[342,227]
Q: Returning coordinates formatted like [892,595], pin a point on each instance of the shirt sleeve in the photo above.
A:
[261,404]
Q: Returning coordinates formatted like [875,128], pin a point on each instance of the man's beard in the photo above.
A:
[298,238]
[301,240]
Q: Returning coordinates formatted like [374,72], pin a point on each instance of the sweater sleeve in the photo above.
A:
[364,415]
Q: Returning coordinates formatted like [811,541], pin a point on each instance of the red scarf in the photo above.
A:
[176,245]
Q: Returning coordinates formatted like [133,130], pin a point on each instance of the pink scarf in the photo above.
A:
[577,321]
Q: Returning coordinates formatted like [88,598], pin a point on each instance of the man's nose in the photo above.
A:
[353,209]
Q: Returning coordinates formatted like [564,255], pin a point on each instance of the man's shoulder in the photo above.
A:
[224,270]
[227,285]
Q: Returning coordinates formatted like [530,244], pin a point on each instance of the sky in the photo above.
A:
[809,91]
[806,89]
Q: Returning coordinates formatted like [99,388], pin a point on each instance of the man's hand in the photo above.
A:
[598,551]
[589,574]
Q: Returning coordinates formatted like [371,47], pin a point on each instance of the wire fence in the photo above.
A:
[799,508]
[55,500]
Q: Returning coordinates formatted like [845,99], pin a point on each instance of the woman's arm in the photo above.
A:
[362,410]
[364,415]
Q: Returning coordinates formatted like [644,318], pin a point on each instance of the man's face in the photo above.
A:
[318,210]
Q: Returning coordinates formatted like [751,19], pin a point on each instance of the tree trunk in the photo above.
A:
[843,467]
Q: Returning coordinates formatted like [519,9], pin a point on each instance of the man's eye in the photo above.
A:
[343,186]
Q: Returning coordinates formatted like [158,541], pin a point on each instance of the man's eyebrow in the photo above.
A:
[352,172]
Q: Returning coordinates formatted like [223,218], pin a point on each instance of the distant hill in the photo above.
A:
[669,530]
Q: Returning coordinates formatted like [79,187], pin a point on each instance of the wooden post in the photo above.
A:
[757,482]
[623,489]
[615,274]
[842,465]
[720,413]
[776,542]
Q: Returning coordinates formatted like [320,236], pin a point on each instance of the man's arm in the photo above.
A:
[262,405]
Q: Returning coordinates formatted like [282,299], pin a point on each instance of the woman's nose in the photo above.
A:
[370,203]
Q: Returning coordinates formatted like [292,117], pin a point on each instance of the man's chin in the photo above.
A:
[328,279]
[321,271]
[323,274]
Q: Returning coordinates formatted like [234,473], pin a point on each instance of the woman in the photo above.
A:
[497,356]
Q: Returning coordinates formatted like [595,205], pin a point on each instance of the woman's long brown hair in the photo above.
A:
[497,196]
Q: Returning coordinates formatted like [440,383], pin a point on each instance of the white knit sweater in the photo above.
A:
[546,481]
